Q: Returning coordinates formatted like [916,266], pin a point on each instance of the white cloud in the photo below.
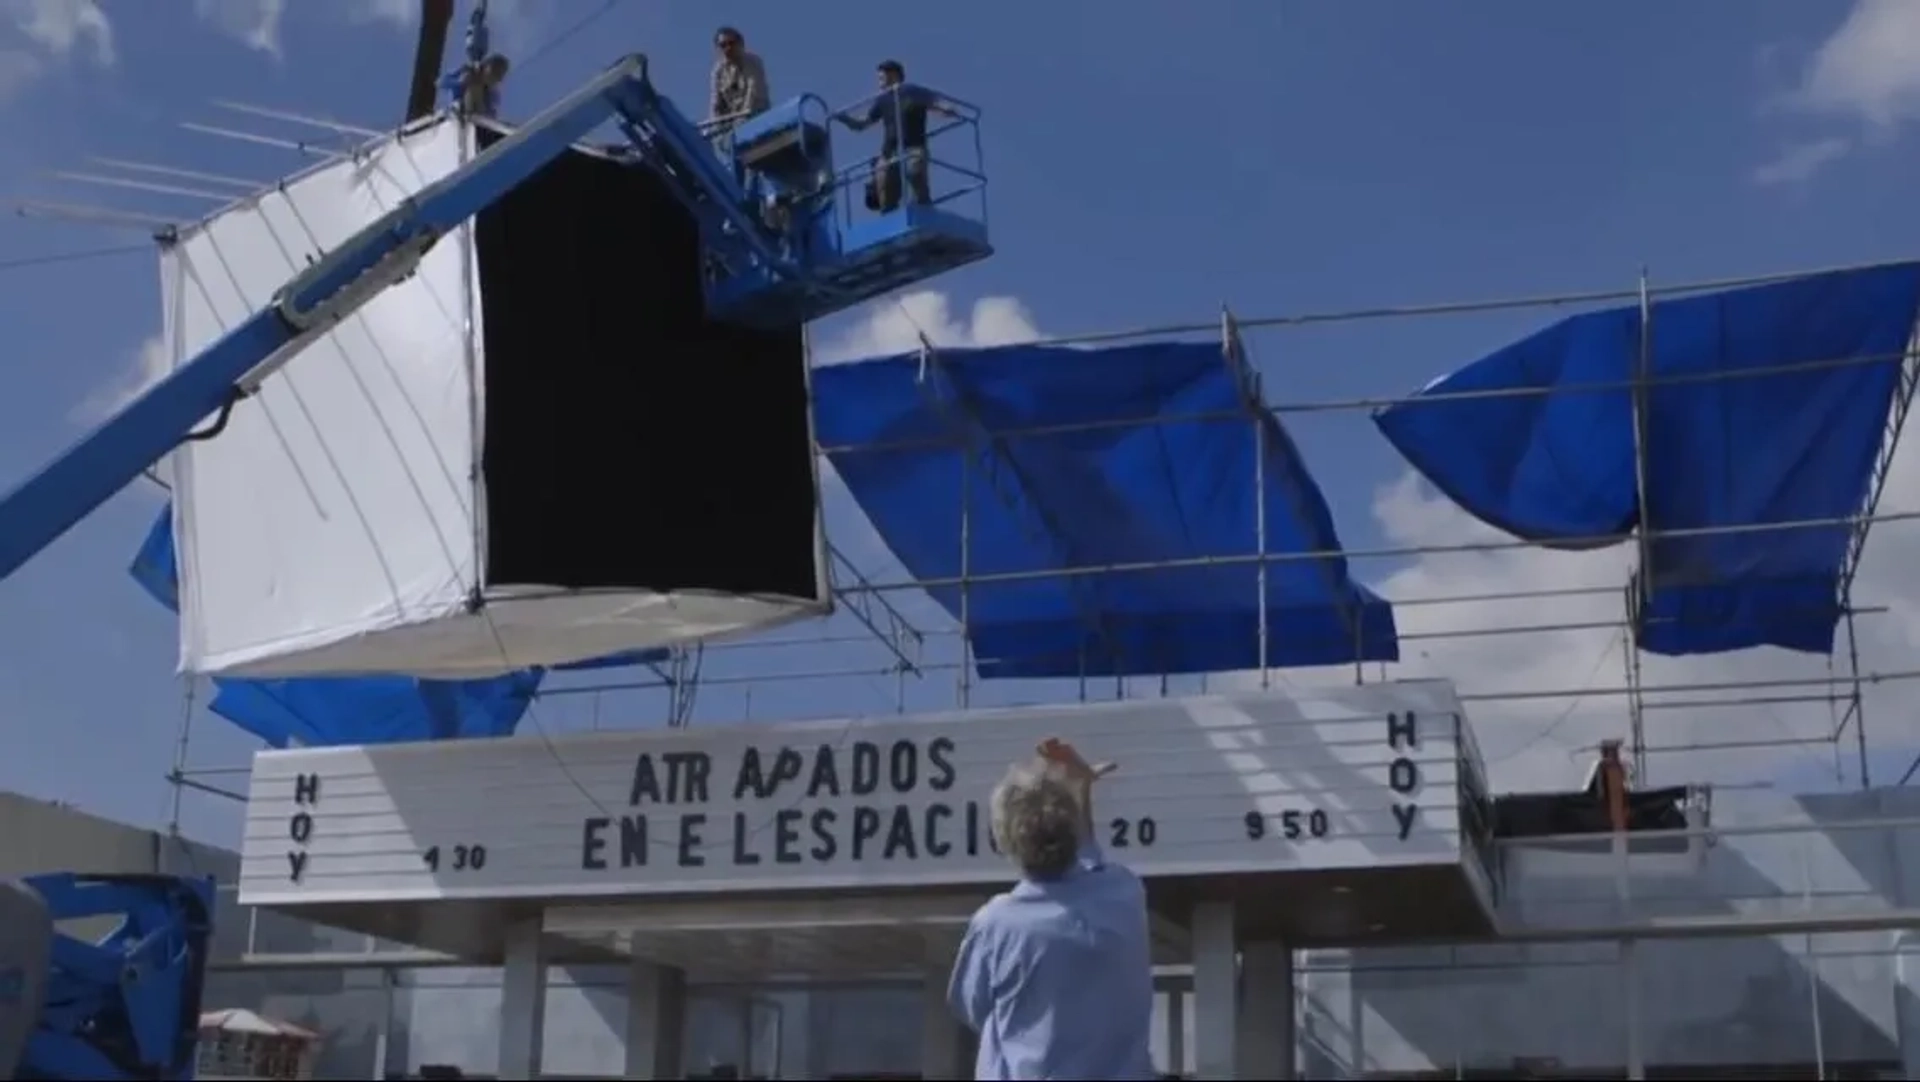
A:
[18,67]
[1800,161]
[1865,77]
[149,363]
[399,13]
[1546,741]
[894,325]
[1867,69]
[254,23]
[60,27]
[54,30]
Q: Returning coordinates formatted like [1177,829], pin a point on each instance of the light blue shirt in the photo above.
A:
[1057,978]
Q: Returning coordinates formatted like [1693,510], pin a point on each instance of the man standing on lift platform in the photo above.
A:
[901,109]
[739,83]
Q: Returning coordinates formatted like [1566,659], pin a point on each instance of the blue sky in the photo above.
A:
[1148,161]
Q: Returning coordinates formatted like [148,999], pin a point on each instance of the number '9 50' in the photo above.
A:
[1291,824]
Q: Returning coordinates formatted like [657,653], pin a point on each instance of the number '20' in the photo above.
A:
[1127,832]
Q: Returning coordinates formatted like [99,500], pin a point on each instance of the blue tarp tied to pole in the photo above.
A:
[322,712]
[1762,406]
[911,441]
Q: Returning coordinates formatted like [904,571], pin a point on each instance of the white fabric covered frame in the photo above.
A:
[331,527]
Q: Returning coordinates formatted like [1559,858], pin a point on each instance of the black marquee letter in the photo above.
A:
[826,777]
[646,783]
[1403,776]
[592,842]
[939,756]
[306,789]
[826,846]
[633,841]
[300,827]
[699,771]
[936,845]
[741,854]
[866,768]
[750,778]
[903,766]
[1403,730]
[901,840]
[866,826]
[1404,816]
[690,840]
[786,836]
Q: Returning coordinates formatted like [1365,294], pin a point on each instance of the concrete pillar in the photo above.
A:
[390,1055]
[1216,992]
[1265,1023]
[1177,1031]
[523,1002]
[1629,974]
[656,1020]
[946,1048]
[1906,1001]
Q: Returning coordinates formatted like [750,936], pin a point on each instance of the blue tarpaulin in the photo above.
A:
[1090,494]
[1796,444]
[320,712]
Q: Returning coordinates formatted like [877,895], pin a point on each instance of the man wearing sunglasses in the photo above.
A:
[739,82]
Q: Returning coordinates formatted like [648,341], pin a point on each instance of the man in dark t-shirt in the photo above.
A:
[901,110]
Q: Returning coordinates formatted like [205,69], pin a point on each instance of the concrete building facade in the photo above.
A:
[1678,1000]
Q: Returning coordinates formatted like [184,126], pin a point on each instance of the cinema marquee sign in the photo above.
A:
[1348,777]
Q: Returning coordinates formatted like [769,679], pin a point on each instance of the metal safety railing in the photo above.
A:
[1844,873]
[952,152]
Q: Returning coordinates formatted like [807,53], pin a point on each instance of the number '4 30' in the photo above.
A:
[459,858]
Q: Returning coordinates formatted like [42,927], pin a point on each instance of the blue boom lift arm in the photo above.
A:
[45,506]
[773,274]
[124,1006]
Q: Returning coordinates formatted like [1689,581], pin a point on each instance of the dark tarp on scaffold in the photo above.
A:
[323,712]
[1797,444]
[1086,496]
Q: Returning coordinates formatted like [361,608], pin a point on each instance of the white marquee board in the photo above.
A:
[1260,782]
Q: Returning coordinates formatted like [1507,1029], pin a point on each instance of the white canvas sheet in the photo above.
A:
[339,501]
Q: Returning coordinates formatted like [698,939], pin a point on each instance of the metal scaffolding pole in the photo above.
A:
[1907,380]
[1354,405]
[995,449]
[1641,589]
[1248,383]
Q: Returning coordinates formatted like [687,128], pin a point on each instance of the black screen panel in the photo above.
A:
[631,442]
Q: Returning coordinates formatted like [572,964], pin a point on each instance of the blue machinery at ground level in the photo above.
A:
[775,222]
[124,1006]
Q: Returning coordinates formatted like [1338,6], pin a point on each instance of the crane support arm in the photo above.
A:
[123,1006]
[45,506]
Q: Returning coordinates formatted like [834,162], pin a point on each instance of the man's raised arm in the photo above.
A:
[1063,757]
